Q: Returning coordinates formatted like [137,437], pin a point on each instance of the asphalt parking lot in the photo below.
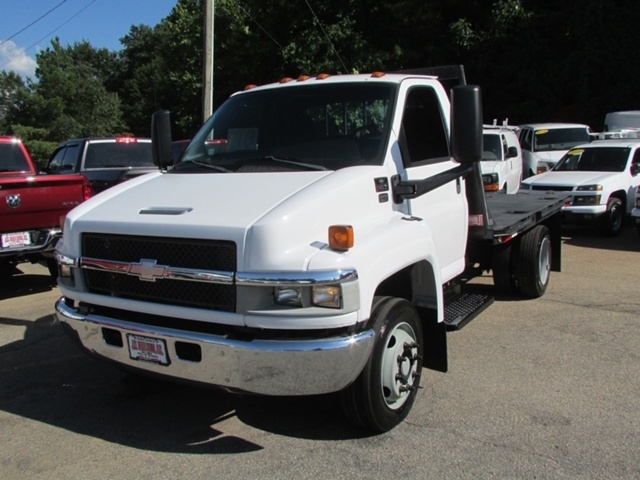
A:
[544,389]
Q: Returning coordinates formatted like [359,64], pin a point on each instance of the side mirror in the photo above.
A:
[161,138]
[466,123]
[512,152]
[635,169]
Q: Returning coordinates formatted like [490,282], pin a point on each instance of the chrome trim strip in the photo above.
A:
[149,270]
[293,279]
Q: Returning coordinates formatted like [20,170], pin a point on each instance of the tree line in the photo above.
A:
[536,60]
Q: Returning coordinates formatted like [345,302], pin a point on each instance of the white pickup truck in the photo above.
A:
[316,236]
[601,178]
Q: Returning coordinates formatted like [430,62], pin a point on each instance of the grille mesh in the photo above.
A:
[173,252]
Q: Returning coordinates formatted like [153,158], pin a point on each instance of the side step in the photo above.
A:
[463,308]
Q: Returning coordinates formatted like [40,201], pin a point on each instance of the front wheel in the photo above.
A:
[614,218]
[382,396]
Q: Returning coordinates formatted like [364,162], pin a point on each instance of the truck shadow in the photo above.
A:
[17,283]
[592,237]
[47,379]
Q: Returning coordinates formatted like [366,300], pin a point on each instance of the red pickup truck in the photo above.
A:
[31,205]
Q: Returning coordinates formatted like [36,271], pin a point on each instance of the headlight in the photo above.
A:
[583,200]
[543,167]
[491,182]
[589,188]
[291,296]
[328,296]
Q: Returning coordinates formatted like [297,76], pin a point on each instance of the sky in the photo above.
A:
[28,26]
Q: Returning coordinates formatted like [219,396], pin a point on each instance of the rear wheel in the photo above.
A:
[534,262]
[383,394]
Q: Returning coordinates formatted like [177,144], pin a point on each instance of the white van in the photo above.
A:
[629,119]
[501,164]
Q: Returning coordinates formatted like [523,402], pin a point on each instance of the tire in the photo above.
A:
[613,220]
[52,266]
[383,394]
[534,262]
[503,267]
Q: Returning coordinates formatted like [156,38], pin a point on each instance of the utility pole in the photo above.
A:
[207,77]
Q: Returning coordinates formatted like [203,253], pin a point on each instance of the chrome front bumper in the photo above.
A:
[267,367]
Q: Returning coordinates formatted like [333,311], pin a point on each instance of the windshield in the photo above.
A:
[492,148]
[118,155]
[547,140]
[593,159]
[318,127]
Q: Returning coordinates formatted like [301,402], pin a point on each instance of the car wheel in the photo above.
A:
[614,217]
[383,394]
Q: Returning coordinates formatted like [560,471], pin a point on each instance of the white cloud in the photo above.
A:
[13,58]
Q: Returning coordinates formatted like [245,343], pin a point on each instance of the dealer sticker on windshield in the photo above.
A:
[147,349]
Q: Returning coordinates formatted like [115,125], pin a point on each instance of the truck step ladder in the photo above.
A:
[463,308]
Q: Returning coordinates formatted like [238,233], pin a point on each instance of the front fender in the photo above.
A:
[383,251]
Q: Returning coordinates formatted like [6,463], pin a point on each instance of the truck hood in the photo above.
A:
[286,214]
[551,156]
[490,166]
[572,179]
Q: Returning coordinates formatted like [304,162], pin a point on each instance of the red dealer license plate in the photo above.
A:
[147,349]
[17,239]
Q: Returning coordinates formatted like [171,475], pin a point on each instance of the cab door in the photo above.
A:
[424,144]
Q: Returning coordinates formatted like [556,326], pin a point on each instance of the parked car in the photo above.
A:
[31,206]
[543,144]
[602,178]
[501,164]
[104,161]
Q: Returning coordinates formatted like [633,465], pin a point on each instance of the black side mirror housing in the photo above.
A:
[466,123]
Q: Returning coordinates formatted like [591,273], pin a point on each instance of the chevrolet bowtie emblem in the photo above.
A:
[148,270]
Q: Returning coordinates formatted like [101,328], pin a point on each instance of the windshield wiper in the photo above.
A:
[201,164]
[310,166]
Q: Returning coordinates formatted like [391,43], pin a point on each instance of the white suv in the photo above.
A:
[602,178]
[543,144]
[501,159]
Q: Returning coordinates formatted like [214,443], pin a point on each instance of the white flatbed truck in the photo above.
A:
[317,236]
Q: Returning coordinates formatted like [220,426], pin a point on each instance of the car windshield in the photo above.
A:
[550,139]
[118,155]
[315,127]
[594,159]
[491,147]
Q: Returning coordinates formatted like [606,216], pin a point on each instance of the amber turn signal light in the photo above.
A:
[341,237]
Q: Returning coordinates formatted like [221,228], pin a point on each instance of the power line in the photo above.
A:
[346,70]
[50,33]
[32,23]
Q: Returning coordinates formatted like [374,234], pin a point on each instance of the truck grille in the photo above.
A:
[174,252]
[554,188]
